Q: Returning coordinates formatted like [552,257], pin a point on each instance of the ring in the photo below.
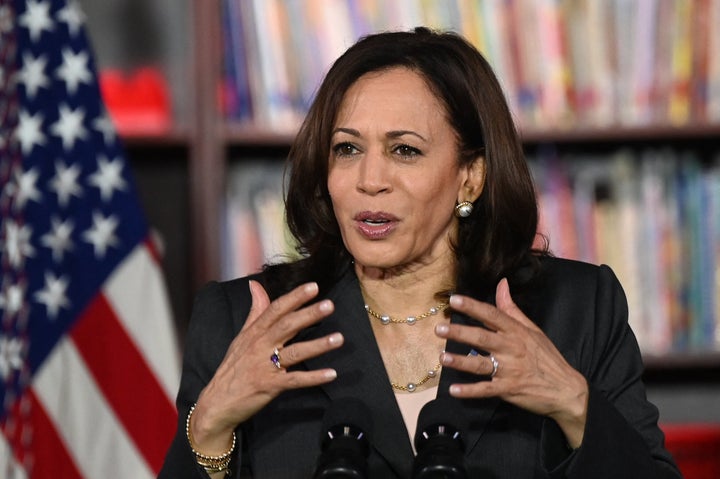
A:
[275,358]
[495,364]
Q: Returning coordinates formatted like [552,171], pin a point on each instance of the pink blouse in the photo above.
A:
[410,405]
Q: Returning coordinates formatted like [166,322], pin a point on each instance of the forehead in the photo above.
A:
[397,92]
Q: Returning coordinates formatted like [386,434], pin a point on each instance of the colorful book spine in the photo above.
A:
[653,217]
[561,62]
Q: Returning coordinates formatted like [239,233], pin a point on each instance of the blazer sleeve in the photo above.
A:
[210,332]
[622,438]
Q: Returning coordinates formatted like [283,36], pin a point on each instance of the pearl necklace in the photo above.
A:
[386,319]
[411,387]
[410,320]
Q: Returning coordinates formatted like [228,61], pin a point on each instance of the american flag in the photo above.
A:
[88,354]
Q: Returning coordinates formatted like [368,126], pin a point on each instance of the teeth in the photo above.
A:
[375,222]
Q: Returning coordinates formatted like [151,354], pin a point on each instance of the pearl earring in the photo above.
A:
[463,209]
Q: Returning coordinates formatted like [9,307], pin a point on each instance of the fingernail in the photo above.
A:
[330,374]
[335,339]
[445,359]
[442,329]
[455,389]
[311,287]
[456,300]
[325,306]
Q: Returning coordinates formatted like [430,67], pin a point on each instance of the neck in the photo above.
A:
[409,291]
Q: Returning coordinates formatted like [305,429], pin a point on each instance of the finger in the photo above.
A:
[299,352]
[260,301]
[483,389]
[476,336]
[307,379]
[505,303]
[492,317]
[479,365]
[289,325]
[288,303]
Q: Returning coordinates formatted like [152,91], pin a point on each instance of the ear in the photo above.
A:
[474,181]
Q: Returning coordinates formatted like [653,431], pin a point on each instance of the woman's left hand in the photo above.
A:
[531,373]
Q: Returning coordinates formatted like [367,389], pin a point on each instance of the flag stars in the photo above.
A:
[53,295]
[108,177]
[25,188]
[13,299]
[65,182]
[74,70]
[104,125]
[72,14]
[29,131]
[59,239]
[33,74]
[11,355]
[37,18]
[17,243]
[102,233]
[69,126]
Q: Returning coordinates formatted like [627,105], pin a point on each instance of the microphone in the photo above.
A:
[438,441]
[344,442]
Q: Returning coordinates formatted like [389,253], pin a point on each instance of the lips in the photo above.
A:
[375,224]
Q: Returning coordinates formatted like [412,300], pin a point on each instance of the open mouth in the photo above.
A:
[375,225]
[375,217]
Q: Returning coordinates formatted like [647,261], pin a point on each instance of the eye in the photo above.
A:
[344,149]
[406,151]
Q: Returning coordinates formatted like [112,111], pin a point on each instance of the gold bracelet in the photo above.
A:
[213,470]
[210,463]
[214,465]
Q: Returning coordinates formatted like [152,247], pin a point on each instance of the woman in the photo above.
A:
[415,214]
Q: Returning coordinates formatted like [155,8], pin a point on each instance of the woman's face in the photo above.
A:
[394,176]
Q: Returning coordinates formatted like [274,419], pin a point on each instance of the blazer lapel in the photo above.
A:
[478,412]
[361,373]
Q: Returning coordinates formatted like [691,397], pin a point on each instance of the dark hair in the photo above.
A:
[497,237]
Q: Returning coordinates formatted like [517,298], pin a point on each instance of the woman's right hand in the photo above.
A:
[247,380]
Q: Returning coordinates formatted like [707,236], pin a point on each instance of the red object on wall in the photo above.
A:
[138,103]
[696,449]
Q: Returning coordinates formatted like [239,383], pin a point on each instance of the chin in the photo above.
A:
[379,261]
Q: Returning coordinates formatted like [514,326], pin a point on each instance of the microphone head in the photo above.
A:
[438,441]
[347,412]
[441,416]
[345,428]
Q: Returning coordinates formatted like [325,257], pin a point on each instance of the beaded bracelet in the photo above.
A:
[211,464]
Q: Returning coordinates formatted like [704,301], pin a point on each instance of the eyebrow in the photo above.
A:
[389,134]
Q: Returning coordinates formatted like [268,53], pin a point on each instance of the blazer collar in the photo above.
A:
[361,374]
[477,412]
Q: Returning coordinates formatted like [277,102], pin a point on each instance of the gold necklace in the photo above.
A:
[411,387]
[387,319]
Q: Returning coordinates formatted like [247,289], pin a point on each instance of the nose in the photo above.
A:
[374,174]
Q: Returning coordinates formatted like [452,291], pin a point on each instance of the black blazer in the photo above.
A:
[581,308]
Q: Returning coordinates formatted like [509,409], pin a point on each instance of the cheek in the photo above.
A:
[443,193]
[337,190]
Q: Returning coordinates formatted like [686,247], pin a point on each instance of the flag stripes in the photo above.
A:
[140,276]
[37,443]
[122,376]
[85,420]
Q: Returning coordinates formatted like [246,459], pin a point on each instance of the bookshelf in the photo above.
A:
[205,139]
